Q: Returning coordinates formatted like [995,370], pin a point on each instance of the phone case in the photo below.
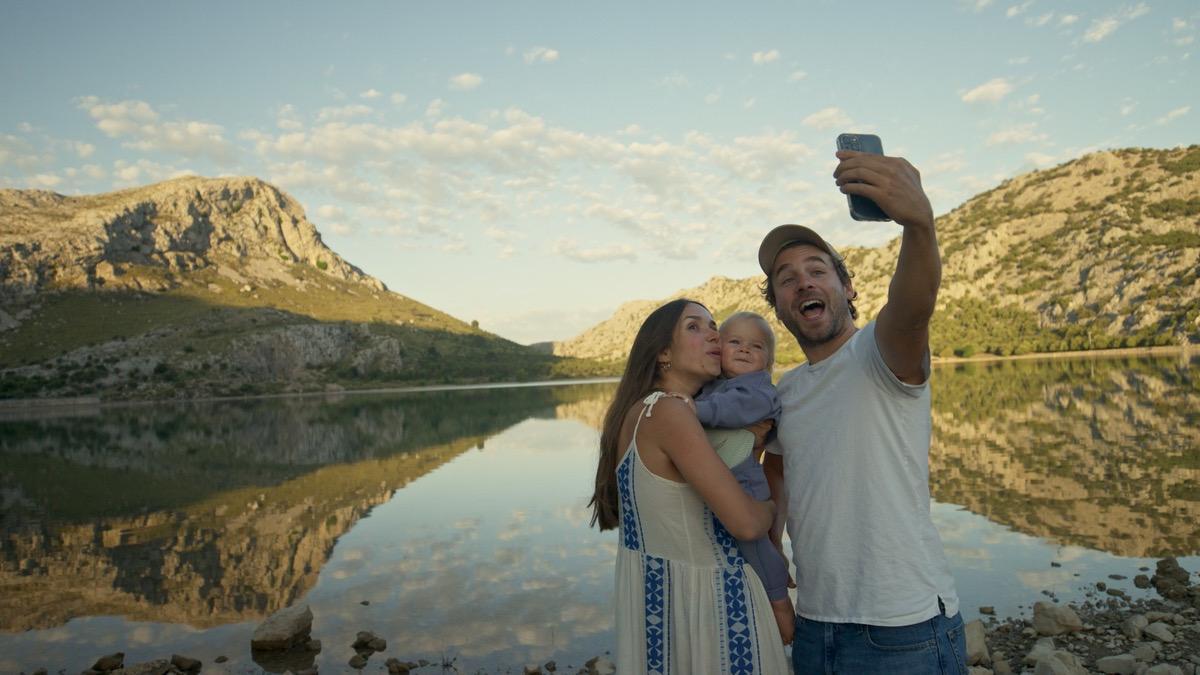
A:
[862,208]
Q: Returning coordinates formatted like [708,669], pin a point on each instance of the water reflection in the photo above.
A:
[1102,454]
[1098,453]
[460,516]
[214,513]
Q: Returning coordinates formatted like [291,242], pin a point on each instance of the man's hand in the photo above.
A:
[891,182]
[902,324]
[760,430]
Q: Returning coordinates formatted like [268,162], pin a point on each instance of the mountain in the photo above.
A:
[1102,251]
[199,286]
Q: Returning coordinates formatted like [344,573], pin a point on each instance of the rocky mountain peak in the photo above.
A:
[240,226]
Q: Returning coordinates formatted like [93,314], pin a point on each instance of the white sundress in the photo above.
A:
[686,601]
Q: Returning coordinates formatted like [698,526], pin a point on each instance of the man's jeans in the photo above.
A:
[938,645]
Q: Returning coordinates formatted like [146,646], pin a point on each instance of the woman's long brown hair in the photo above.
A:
[637,382]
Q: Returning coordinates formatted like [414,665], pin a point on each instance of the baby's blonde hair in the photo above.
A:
[768,334]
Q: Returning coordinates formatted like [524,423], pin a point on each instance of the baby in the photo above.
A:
[742,396]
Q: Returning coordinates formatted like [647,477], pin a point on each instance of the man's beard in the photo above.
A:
[837,324]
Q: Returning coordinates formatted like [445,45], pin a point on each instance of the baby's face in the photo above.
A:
[743,348]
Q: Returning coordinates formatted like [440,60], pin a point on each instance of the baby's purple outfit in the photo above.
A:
[732,403]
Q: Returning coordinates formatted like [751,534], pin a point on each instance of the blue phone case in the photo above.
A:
[862,208]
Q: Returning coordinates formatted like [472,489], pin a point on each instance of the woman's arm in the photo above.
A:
[674,430]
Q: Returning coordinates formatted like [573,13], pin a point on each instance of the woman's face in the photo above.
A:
[695,345]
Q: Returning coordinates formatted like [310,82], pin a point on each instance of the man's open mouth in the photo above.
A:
[811,309]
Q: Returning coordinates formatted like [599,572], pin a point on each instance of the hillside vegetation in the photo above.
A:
[1099,252]
[197,287]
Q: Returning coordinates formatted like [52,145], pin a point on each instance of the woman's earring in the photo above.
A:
[665,365]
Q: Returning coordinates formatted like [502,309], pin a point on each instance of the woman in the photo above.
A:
[686,601]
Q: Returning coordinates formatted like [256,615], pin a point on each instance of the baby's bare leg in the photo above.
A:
[785,618]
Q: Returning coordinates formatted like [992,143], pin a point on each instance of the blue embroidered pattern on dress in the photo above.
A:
[629,520]
[738,614]
[657,591]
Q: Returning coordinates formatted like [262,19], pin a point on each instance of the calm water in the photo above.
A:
[460,516]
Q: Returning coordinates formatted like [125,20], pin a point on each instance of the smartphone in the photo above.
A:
[862,208]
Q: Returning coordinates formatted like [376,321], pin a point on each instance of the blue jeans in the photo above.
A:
[938,645]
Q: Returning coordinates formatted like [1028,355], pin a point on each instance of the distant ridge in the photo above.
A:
[213,286]
[1102,251]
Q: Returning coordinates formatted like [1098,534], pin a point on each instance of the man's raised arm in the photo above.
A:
[902,327]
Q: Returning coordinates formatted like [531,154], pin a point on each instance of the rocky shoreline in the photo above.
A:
[1108,633]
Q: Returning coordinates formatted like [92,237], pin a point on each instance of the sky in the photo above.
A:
[532,165]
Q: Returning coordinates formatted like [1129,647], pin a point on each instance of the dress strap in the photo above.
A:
[649,401]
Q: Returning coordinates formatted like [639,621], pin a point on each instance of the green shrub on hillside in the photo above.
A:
[1174,208]
[1186,164]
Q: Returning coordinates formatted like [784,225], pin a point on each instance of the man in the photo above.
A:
[874,591]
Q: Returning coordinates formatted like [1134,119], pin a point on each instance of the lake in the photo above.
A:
[454,523]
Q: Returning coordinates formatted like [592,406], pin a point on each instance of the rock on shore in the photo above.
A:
[1156,636]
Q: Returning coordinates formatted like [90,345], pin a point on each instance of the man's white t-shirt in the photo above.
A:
[855,446]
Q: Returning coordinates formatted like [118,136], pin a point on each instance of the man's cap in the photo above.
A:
[785,235]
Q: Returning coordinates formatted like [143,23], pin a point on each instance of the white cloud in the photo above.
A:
[1041,20]
[1106,26]
[140,123]
[45,180]
[1100,29]
[119,119]
[1018,61]
[712,97]
[1040,160]
[989,92]
[826,119]
[465,81]
[949,162]
[1173,115]
[762,158]
[287,118]
[330,212]
[980,5]
[435,108]
[84,150]
[1067,19]
[1026,133]
[542,54]
[143,171]
[749,103]
[398,98]
[1127,107]
[674,80]
[570,249]
[797,75]
[763,58]
[371,94]
[1014,10]
[341,229]
[345,112]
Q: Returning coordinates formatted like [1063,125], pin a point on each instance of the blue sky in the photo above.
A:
[532,165]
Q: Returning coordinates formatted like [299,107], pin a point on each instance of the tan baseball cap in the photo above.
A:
[780,237]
